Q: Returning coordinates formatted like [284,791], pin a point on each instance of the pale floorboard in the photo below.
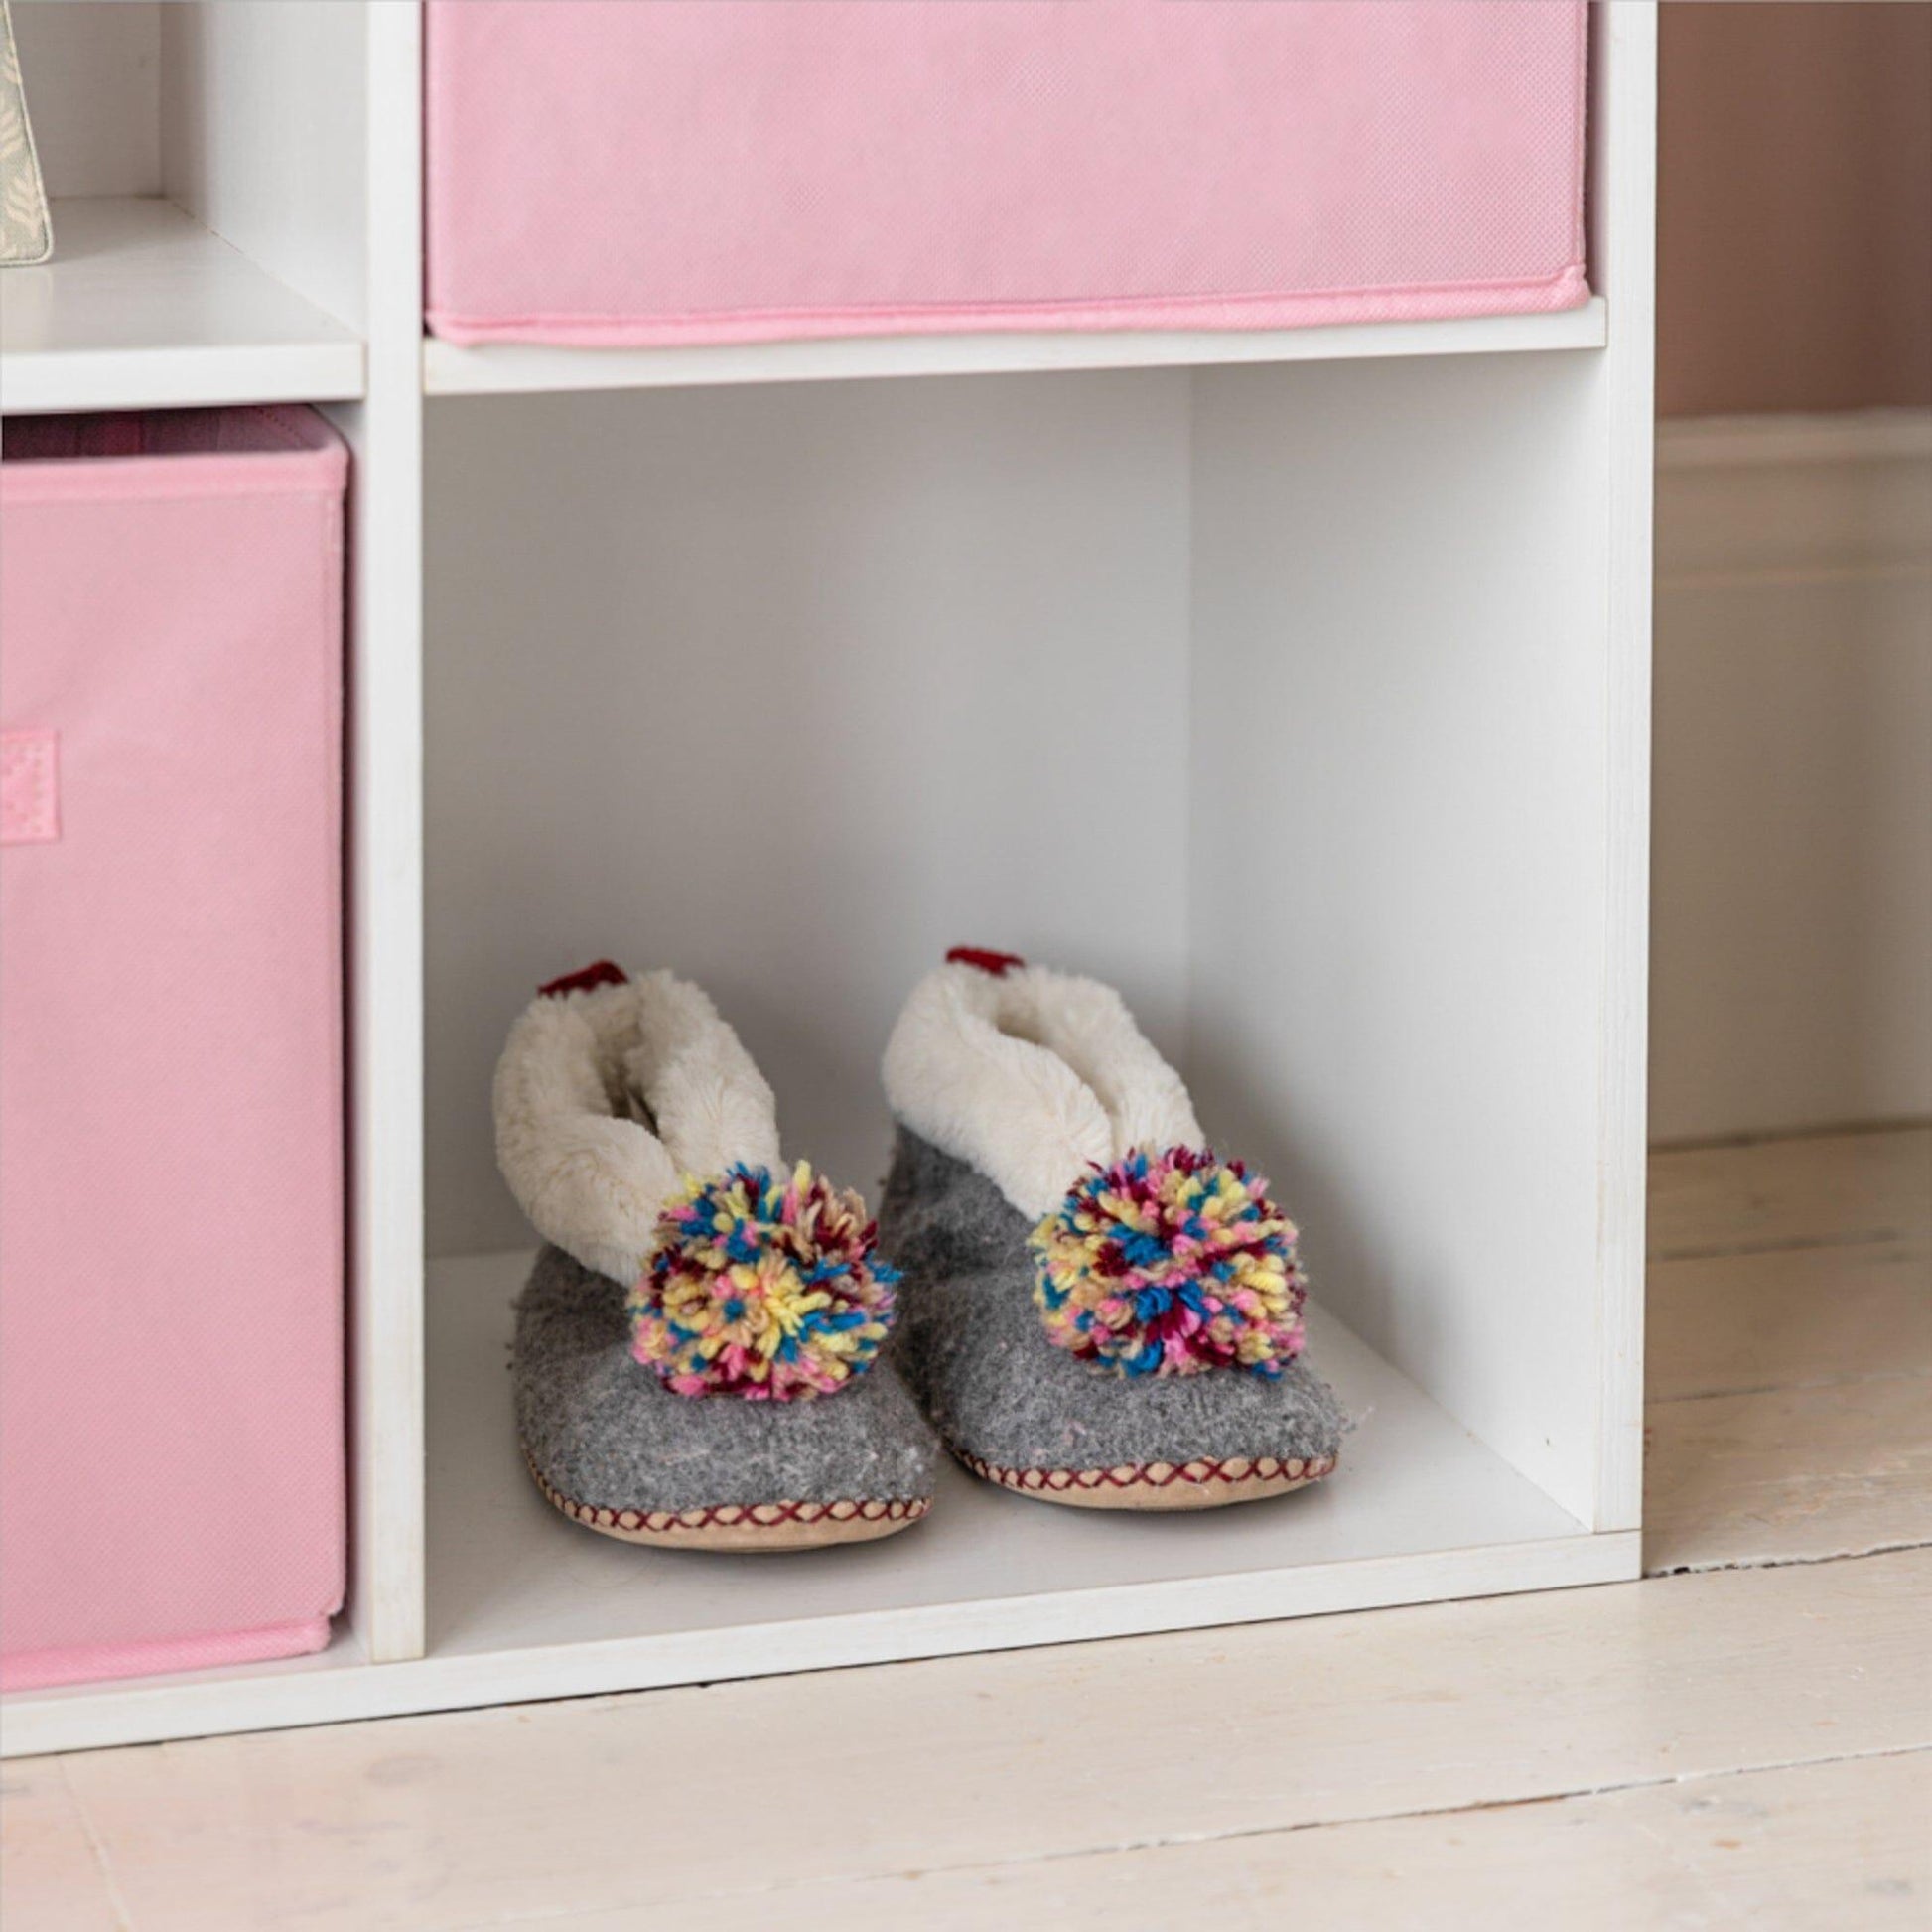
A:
[1790,1476]
[1816,1190]
[50,1877]
[1738,1746]
[1788,1319]
[488,1818]
[1790,1363]
[1828,1848]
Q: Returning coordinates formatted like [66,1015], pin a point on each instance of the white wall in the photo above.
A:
[1792,894]
[91,71]
[792,689]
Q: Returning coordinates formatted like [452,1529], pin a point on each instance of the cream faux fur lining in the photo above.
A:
[1031,1076]
[604,1100]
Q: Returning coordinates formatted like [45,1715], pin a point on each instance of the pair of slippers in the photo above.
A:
[1065,1288]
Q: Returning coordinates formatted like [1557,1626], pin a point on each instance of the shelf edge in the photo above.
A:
[151,1712]
[45,381]
[450,369]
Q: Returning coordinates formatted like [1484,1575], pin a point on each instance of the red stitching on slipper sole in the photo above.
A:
[1155,1475]
[756,1516]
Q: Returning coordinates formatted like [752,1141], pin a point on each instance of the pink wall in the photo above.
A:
[1795,215]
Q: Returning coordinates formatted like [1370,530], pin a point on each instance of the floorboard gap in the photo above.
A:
[1788,1563]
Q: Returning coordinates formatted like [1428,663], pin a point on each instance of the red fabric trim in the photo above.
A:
[601,973]
[1155,1475]
[761,1516]
[999,964]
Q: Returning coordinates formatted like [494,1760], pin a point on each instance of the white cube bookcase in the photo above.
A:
[1297,682]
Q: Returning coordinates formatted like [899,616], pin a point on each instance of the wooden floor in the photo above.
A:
[1744,1738]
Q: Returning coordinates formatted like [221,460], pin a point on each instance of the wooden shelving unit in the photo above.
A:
[1344,634]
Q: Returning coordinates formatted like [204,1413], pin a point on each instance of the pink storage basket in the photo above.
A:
[612,171]
[171,1217]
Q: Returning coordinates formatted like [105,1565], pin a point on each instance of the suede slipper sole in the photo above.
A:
[744,1527]
[1159,1486]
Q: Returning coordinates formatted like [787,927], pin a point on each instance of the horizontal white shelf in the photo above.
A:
[142,308]
[510,369]
[525,1605]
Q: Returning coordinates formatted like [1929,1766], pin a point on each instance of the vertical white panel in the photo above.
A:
[1400,845]
[385,871]
[1623,266]
[791,689]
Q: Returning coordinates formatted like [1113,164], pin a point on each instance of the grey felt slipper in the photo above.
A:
[1094,1310]
[700,1354]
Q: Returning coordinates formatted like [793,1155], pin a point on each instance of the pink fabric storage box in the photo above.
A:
[635,172]
[171,1212]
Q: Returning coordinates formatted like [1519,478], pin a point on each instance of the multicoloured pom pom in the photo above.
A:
[762,1286]
[1168,1264]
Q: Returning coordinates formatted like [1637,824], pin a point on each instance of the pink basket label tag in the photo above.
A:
[30,787]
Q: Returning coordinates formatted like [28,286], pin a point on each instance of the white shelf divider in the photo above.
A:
[510,369]
[142,308]
[385,867]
